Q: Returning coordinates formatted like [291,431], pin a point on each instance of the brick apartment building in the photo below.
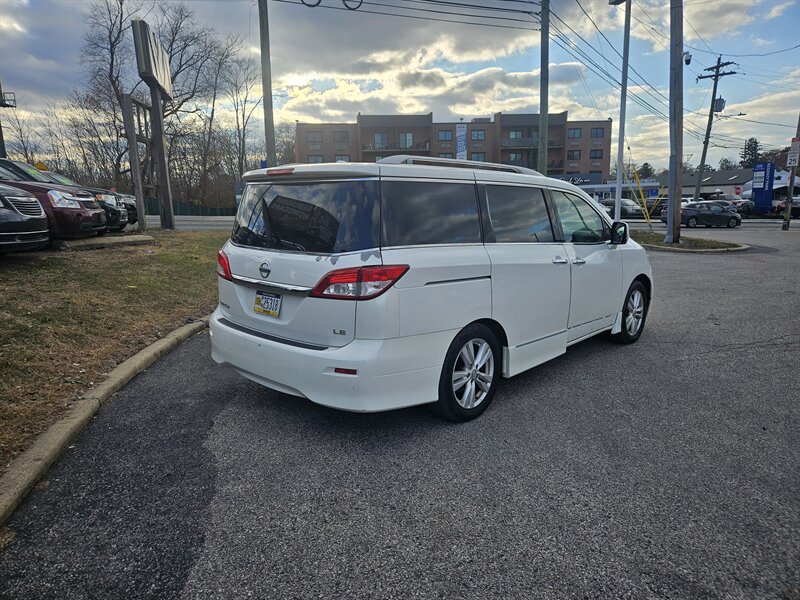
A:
[578,150]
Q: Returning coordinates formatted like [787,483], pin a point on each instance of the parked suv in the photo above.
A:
[369,287]
[23,225]
[70,212]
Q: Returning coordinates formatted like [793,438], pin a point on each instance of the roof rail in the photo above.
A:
[407,159]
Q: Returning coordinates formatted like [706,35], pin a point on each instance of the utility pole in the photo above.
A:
[792,159]
[544,88]
[266,83]
[715,76]
[675,121]
[622,104]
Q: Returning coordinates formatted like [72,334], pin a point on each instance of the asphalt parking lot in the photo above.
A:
[666,469]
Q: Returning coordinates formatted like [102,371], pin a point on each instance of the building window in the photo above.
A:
[575,133]
[406,140]
[314,136]
[445,135]
[573,154]
[381,141]
[517,156]
[316,158]
[593,154]
[478,135]
[598,132]
[445,155]
[341,136]
[515,134]
[481,156]
[342,158]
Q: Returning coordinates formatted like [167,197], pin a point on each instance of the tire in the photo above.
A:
[634,314]
[455,401]
[121,229]
[692,222]
[732,223]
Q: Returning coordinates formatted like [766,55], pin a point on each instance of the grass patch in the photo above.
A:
[68,318]
[688,243]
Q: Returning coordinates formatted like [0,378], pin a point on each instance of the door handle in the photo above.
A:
[579,261]
[559,261]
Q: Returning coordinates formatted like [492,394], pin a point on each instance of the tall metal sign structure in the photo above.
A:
[544,89]
[137,129]
[266,83]
[7,100]
[153,63]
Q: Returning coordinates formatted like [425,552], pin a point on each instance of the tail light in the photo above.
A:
[223,266]
[359,283]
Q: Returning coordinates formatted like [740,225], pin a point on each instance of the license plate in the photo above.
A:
[267,303]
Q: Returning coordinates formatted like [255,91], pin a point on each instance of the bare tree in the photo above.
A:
[284,142]
[239,83]
[23,140]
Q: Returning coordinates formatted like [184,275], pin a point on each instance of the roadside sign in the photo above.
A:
[794,153]
[151,58]
[763,182]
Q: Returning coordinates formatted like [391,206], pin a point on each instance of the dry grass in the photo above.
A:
[689,243]
[67,318]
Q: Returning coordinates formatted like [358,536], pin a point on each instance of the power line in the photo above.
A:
[795,47]
[760,122]
[409,16]
[475,6]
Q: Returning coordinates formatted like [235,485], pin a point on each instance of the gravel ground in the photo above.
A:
[666,469]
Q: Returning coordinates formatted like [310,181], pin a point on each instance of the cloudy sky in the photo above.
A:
[330,63]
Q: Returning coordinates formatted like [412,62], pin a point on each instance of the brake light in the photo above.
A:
[223,266]
[359,283]
[280,171]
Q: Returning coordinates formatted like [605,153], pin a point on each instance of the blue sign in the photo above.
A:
[263,164]
[763,183]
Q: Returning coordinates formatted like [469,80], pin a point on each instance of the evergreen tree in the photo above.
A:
[750,153]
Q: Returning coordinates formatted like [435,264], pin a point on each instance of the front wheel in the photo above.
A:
[470,373]
[692,222]
[732,222]
[634,314]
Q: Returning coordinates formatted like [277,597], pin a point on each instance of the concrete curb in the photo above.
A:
[739,248]
[104,242]
[26,470]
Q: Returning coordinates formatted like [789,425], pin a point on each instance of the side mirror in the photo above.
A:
[619,233]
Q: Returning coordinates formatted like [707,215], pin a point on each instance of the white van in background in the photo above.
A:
[370,287]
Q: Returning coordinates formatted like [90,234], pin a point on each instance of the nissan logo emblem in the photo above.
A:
[264,270]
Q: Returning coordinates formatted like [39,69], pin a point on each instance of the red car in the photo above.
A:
[795,208]
[71,212]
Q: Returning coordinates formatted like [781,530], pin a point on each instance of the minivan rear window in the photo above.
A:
[419,212]
[324,218]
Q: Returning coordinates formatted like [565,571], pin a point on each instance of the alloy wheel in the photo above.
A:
[635,312]
[473,372]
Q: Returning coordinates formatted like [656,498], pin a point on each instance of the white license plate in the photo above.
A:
[267,303]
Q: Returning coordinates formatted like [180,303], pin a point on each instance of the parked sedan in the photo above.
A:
[709,214]
[23,224]
[628,208]
[70,212]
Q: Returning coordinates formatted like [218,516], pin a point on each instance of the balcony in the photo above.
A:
[555,144]
[526,142]
[393,146]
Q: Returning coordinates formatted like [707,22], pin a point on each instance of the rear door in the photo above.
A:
[530,271]
[287,236]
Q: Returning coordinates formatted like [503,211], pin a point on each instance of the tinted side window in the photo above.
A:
[518,214]
[579,222]
[416,212]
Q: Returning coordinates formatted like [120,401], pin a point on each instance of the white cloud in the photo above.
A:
[778,9]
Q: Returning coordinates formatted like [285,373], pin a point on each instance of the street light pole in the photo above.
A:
[266,83]
[622,104]
[675,121]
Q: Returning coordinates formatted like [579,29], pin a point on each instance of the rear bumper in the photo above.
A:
[393,373]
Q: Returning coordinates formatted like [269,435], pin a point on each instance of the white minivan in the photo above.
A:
[375,286]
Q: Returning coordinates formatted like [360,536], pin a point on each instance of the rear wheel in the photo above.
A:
[732,222]
[692,222]
[634,314]
[470,373]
